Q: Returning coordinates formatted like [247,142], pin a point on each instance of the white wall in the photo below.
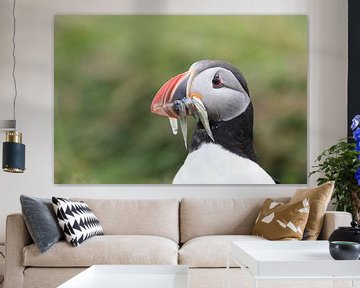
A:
[326,105]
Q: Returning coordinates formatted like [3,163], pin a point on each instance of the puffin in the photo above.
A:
[221,149]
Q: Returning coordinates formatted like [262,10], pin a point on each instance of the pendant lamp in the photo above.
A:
[13,160]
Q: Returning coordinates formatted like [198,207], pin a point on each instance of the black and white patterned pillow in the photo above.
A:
[77,220]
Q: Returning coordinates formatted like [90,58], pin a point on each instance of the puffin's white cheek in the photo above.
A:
[226,106]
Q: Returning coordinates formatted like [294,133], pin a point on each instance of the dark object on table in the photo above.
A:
[344,250]
[345,233]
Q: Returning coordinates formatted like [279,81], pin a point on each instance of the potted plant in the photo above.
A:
[341,163]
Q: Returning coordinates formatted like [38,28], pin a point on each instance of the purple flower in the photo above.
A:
[355,122]
[357,176]
[356,134]
[357,147]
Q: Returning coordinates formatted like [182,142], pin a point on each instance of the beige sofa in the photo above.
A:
[194,232]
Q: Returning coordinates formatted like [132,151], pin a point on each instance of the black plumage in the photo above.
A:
[235,135]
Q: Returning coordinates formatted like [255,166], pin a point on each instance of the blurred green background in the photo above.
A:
[108,69]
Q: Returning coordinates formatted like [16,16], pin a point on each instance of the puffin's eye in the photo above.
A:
[216,82]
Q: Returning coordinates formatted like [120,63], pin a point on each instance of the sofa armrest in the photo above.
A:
[17,237]
[333,220]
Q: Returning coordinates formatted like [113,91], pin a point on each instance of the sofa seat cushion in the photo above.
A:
[211,251]
[107,249]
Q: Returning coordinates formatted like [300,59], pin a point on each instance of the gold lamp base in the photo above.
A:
[13,170]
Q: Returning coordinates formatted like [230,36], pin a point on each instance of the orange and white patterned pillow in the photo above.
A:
[279,221]
[319,198]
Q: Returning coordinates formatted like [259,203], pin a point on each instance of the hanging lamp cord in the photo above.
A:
[14,60]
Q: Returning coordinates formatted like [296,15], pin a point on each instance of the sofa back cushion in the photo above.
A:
[159,217]
[200,217]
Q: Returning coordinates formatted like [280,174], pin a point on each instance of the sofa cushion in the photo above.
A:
[200,217]
[107,249]
[211,251]
[159,217]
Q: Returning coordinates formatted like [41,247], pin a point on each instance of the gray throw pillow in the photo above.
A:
[41,221]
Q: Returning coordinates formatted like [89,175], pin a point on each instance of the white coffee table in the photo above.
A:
[292,260]
[131,276]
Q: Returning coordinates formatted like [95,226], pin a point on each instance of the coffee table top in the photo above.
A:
[131,276]
[291,259]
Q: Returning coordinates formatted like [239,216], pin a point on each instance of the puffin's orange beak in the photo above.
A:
[162,103]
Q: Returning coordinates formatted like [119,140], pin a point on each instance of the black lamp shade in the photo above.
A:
[13,156]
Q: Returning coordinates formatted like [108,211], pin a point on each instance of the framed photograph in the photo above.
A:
[188,99]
